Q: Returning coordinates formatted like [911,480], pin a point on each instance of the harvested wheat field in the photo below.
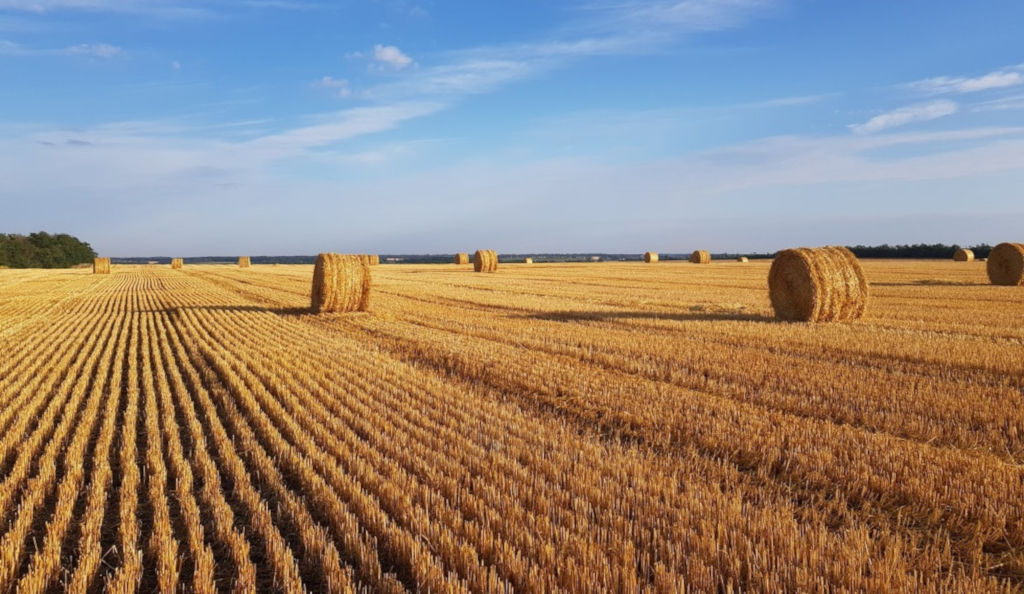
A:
[559,427]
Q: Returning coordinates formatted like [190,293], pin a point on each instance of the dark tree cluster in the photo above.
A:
[938,251]
[43,250]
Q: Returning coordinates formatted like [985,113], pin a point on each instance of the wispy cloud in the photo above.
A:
[941,85]
[603,29]
[154,8]
[679,15]
[1001,104]
[98,50]
[336,85]
[390,56]
[94,50]
[906,115]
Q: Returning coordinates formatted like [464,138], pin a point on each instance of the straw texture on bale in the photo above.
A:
[177,263]
[244,262]
[371,259]
[1005,264]
[341,283]
[964,255]
[823,284]
[650,257]
[700,257]
[101,266]
[742,259]
[528,261]
[461,258]
[485,261]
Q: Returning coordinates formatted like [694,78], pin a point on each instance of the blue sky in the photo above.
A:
[200,127]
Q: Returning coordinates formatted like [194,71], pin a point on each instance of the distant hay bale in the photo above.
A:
[700,257]
[461,258]
[650,257]
[244,262]
[177,263]
[964,255]
[528,261]
[485,261]
[101,266]
[1005,264]
[743,259]
[823,284]
[370,259]
[341,283]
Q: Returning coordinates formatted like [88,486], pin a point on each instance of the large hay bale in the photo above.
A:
[700,257]
[244,262]
[650,257]
[964,255]
[485,261]
[101,265]
[461,258]
[177,263]
[341,283]
[1005,264]
[817,285]
[743,259]
[528,261]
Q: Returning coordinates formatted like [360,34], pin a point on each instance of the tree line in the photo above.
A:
[43,250]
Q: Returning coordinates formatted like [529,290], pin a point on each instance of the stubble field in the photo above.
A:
[616,427]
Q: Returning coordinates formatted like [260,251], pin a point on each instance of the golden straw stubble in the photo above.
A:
[101,266]
[650,257]
[700,257]
[1005,265]
[964,255]
[823,284]
[341,283]
[485,261]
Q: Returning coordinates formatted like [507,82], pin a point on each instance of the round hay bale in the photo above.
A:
[1005,264]
[700,257]
[177,263]
[341,283]
[964,255]
[823,284]
[650,257]
[461,258]
[101,265]
[743,259]
[370,259]
[485,261]
[528,261]
[244,262]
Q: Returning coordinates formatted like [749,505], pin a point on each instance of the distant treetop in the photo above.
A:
[43,250]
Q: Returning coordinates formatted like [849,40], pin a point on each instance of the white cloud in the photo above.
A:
[906,115]
[95,50]
[941,85]
[338,85]
[390,56]
[1001,104]
[658,20]
[155,8]
[175,65]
